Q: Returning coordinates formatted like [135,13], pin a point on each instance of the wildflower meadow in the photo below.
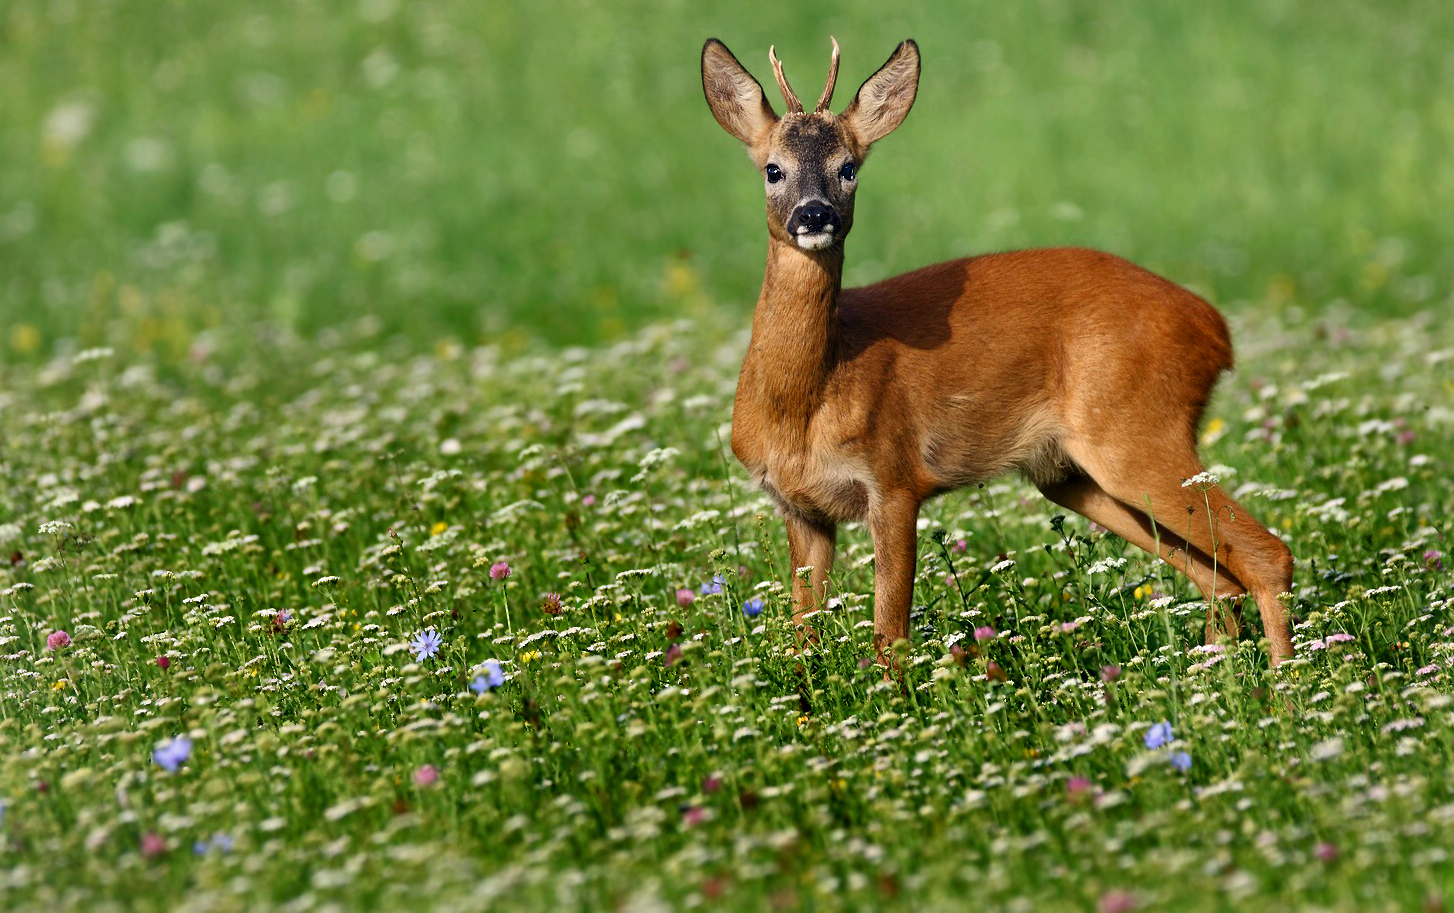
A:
[337,574]
[262,650]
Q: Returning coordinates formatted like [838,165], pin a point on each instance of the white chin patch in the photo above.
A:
[816,240]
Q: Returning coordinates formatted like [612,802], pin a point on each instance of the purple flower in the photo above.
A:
[984,632]
[715,586]
[752,607]
[1181,761]
[426,776]
[685,597]
[57,640]
[425,644]
[1158,735]
[1433,559]
[499,570]
[490,678]
[222,843]
[172,753]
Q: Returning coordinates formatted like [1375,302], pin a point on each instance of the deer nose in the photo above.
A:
[814,217]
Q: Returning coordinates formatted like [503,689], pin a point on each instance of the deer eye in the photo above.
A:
[774,174]
[848,172]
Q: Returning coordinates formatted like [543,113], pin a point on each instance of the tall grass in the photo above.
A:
[241,555]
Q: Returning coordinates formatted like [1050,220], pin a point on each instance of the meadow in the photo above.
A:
[373,543]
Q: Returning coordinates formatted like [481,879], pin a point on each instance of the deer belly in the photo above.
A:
[832,489]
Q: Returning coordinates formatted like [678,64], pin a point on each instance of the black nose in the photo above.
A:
[814,218]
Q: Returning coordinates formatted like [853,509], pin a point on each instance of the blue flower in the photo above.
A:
[492,677]
[752,607]
[1159,735]
[425,644]
[173,753]
[1181,761]
[715,586]
[220,842]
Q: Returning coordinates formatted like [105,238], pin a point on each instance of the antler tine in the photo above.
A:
[826,98]
[794,106]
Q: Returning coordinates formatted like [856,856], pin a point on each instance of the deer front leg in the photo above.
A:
[810,544]
[895,546]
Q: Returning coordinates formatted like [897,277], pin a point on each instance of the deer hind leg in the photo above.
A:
[811,543]
[1207,520]
[1223,591]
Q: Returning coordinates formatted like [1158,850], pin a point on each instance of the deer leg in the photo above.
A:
[810,544]
[1086,497]
[1220,527]
[893,525]
[1206,519]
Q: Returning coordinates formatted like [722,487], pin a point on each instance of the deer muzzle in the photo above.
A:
[815,225]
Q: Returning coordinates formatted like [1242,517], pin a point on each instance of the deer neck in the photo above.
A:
[795,329]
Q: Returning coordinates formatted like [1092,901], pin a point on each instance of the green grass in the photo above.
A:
[504,171]
[314,314]
[642,751]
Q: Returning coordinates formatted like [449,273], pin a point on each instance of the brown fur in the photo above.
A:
[1084,372]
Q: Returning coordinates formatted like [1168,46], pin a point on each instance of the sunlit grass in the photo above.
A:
[241,557]
[324,584]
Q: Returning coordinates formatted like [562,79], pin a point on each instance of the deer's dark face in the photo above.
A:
[809,160]
[810,172]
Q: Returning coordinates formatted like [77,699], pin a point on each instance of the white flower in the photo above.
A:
[1199,480]
[1327,749]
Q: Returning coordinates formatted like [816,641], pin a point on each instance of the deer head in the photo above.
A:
[809,160]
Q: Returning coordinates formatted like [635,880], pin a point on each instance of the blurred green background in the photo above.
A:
[511,172]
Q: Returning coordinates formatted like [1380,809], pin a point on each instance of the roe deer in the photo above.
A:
[1084,372]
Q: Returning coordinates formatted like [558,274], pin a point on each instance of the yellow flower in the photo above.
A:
[24,338]
[60,685]
[438,528]
[529,656]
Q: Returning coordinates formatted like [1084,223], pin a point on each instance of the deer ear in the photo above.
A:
[884,99]
[736,99]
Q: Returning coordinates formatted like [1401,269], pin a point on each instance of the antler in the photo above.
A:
[826,98]
[794,106]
